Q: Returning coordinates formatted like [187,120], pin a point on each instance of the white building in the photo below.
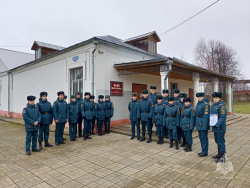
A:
[100,65]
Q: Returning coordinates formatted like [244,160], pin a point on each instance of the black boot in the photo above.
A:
[176,145]
[99,132]
[36,150]
[88,136]
[47,144]
[217,156]
[132,137]
[149,139]
[202,155]
[84,137]
[159,140]
[188,148]
[171,143]
[142,138]
[40,145]
[221,159]
[28,153]
[108,132]
[184,143]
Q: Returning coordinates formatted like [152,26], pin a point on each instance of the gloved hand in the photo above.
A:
[84,117]
[149,118]
[139,118]
[111,116]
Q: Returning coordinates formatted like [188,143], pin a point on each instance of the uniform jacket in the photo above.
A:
[202,113]
[60,111]
[133,109]
[109,108]
[145,109]
[171,117]
[74,109]
[158,112]
[46,111]
[100,110]
[31,114]
[188,118]
[79,100]
[220,109]
[165,100]
[153,98]
[177,101]
[87,109]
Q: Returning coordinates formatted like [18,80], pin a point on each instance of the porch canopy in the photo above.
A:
[177,69]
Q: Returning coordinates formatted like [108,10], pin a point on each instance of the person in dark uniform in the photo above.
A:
[133,110]
[152,97]
[46,111]
[158,112]
[32,118]
[61,116]
[92,98]
[65,98]
[188,122]
[179,129]
[79,122]
[202,113]
[74,109]
[110,112]
[177,99]
[165,102]
[219,129]
[145,115]
[100,114]
[171,121]
[88,110]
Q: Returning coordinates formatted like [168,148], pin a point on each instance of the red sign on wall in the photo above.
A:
[116,88]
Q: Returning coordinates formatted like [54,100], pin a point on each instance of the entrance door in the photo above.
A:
[191,95]
[76,81]
[138,89]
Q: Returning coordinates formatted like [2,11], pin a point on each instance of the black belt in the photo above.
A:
[186,116]
[145,112]
[45,113]
[171,116]
[89,110]
[200,116]
[101,110]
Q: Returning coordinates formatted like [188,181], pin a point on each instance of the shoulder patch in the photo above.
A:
[222,109]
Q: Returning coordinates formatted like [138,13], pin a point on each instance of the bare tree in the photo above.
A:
[216,56]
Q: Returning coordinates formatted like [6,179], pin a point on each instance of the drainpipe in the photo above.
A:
[169,63]
[8,92]
[93,68]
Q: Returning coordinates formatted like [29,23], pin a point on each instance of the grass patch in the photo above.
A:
[241,107]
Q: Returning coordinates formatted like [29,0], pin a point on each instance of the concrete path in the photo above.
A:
[115,161]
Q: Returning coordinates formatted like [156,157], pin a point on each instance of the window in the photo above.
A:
[38,53]
[151,47]
[76,81]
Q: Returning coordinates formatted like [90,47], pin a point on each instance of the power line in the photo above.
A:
[189,18]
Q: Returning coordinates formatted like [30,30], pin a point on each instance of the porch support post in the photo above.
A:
[229,97]
[163,75]
[196,80]
[215,84]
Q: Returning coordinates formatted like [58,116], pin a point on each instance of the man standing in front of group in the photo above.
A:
[46,111]
[61,116]
[110,112]
[32,118]
[79,122]
[153,97]
[202,113]
[145,115]
[133,110]
[87,110]
[219,129]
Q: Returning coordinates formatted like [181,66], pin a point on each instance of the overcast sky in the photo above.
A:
[66,22]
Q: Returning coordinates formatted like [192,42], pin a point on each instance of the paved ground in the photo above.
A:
[116,161]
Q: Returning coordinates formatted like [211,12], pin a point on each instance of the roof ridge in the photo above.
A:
[138,36]
[16,51]
[49,43]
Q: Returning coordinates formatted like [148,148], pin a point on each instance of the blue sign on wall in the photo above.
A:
[75,58]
